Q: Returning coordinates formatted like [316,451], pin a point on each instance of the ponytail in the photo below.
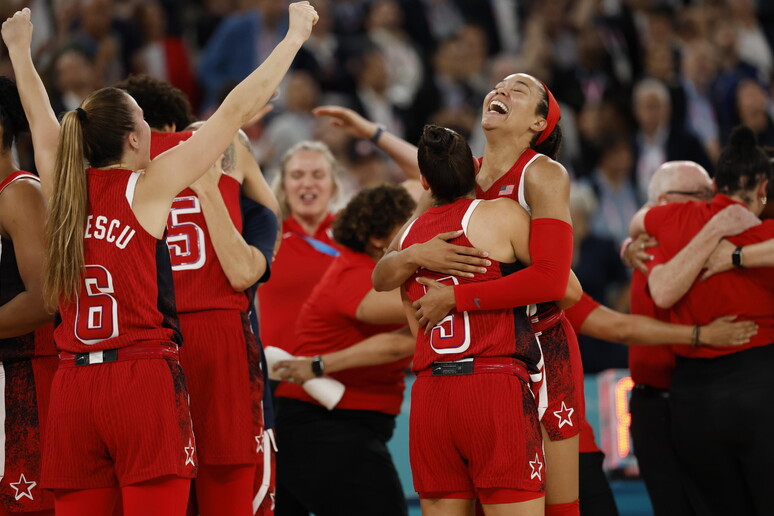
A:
[66,214]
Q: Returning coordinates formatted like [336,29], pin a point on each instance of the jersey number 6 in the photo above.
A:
[97,316]
[185,239]
[452,333]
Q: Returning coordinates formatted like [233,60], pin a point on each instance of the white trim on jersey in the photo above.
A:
[468,214]
[522,198]
[405,233]
[269,445]
[2,421]
[25,175]
[131,185]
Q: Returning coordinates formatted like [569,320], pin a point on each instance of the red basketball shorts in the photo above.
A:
[117,424]
[24,394]
[561,389]
[221,360]
[475,432]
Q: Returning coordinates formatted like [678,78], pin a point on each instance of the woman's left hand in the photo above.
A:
[298,370]
[435,304]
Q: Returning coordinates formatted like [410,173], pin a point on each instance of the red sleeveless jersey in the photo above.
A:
[126,295]
[485,333]
[200,283]
[34,344]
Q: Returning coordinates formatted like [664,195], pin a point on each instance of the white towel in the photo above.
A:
[325,390]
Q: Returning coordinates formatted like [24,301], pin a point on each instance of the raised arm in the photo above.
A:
[670,281]
[17,34]
[180,166]
[400,151]
[254,185]
[22,212]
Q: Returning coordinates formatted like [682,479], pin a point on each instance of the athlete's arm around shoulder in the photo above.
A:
[17,34]
[547,190]
[22,219]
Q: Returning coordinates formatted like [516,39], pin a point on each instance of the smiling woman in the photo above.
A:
[304,188]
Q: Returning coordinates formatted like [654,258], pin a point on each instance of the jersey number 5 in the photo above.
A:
[452,333]
[97,315]
[185,239]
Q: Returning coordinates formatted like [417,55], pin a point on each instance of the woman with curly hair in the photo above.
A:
[356,335]
[27,355]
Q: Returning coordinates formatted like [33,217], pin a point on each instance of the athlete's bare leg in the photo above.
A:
[446,507]
[534,507]
[85,502]
[167,496]
[561,469]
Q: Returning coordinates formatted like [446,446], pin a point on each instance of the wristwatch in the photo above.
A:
[736,257]
[318,366]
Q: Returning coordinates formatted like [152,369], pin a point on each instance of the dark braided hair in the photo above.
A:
[742,165]
[12,118]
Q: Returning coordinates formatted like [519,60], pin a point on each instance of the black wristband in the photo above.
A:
[378,134]
[318,366]
[736,258]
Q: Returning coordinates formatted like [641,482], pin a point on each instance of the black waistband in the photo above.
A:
[651,392]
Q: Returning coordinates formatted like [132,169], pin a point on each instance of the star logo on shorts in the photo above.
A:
[537,467]
[565,415]
[189,454]
[259,446]
[273,498]
[23,487]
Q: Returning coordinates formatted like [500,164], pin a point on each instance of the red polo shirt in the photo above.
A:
[327,323]
[649,365]
[297,268]
[748,293]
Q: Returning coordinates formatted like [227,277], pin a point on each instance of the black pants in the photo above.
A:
[723,428]
[596,498]
[335,463]
[671,492]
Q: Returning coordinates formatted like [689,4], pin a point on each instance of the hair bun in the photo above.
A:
[742,137]
[438,140]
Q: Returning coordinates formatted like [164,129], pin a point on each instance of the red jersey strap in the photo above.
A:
[19,174]
[545,280]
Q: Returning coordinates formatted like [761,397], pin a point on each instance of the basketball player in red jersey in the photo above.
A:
[523,139]
[27,355]
[212,268]
[458,453]
[109,272]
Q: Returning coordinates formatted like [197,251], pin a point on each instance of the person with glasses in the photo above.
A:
[718,400]
[651,367]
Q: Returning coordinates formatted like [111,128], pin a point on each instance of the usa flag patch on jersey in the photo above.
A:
[506,190]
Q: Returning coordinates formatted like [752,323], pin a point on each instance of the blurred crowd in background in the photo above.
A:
[640,82]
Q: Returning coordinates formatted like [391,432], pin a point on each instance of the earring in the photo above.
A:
[763,200]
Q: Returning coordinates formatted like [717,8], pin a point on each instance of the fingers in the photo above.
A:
[472,252]
[427,282]
[449,235]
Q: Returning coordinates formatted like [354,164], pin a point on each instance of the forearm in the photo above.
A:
[670,281]
[242,263]
[544,281]
[379,349]
[22,314]
[401,152]
[646,331]
[757,255]
[255,186]
[394,269]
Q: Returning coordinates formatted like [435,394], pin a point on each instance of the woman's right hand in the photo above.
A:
[348,121]
[17,30]
[723,331]
[438,255]
[302,18]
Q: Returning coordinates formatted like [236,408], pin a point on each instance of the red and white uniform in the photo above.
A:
[27,365]
[561,393]
[463,444]
[126,420]
[221,356]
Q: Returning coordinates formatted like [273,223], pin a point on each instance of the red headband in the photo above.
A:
[553,116]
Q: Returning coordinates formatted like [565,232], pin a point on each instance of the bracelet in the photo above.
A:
[624,246]
[695,334]
[378,134]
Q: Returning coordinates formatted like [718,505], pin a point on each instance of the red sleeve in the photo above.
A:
[352,285]
[550,247]
[658,217]
[578,312]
